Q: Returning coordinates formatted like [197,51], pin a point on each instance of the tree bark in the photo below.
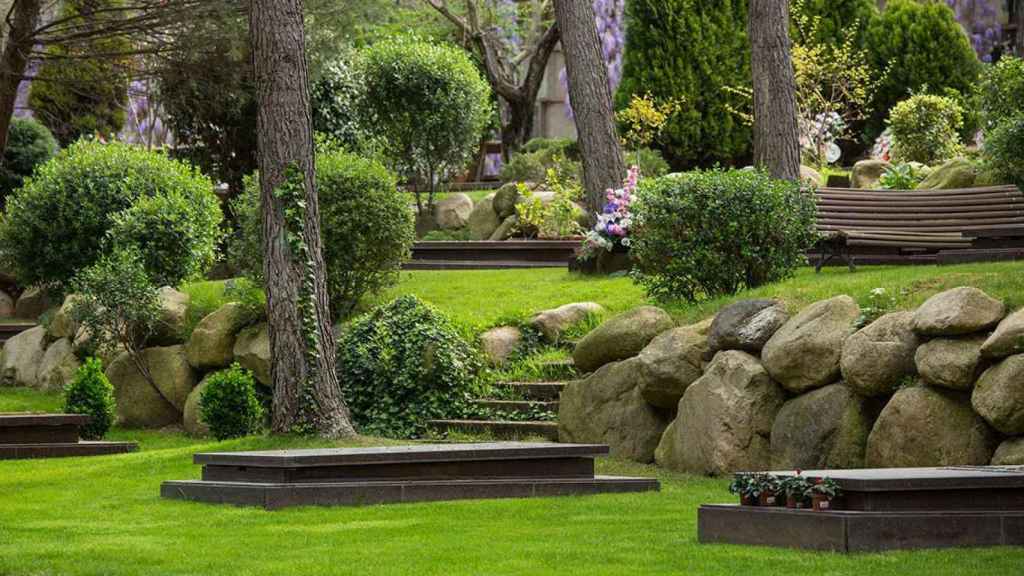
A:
[307,397]
[776,134]
[591,100]
[14,61]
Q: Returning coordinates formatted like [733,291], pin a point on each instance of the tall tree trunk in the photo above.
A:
[776,135]
[1019,7]
[307,397]
[591,100]
[518,127]
[14,61]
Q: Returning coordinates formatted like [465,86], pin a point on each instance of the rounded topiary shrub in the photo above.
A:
[1003,154]
[366,227]
[1001,91]
[704,234]
[93,196]
[229,406]
[925,129]
[404,364]
[90,393]
[29,144]
[335,101]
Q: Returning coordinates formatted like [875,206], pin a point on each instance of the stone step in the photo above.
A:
[526,406]
[534,390]
[500,428]
[479,264]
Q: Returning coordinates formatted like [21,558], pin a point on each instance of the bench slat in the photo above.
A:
[912,217]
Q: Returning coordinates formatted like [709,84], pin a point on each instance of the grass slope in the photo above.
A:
[92,516]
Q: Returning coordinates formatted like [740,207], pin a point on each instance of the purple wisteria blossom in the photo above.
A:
[980,19]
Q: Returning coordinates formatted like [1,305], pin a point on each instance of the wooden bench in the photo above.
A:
[912,222]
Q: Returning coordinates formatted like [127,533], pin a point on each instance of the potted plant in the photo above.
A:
[795,488]
[746,487]
[824,492]
[769,489]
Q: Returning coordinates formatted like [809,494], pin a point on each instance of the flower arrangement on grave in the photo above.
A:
[795,488]
[744,486]
[823,492]
[615,222]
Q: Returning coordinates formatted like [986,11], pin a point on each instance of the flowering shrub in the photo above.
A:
[925,128]
[882,149]
[557,218]
[614,223]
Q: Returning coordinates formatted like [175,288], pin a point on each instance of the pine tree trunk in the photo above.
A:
[591,100]
[307,397]
[20,39]
[776,135]
[518,127]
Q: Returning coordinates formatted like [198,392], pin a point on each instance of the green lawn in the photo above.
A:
[103,516]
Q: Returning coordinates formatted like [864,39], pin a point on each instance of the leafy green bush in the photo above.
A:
[703,234]
[925,128]
[901,177]
[403,364]
[539,155]
[1001,91]
[1003,154]
[29,144]
[428,102]
[366,227]
[94,196]
[836,18]
[917,47]
[228,404]
[90,393]
[335,99]
[714,55]
[650,161]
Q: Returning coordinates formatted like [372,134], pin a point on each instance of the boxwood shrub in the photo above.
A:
[91,393]
[1001,91]
[402,364]
[1003,154]
[228,404]
[704,234]
[29,144]
[925,129]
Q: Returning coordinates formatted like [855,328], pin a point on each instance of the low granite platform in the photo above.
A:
[418,473]
[51,436]
[886,509]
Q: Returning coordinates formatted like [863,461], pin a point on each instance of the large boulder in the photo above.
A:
[32,303]
[483,220]
[498,344]
[6,305]
[62,324]
[19,363]
[173,316]
[191,418]
[1008,338]
[1010,453]
[804,353]
[877,357]
[962,310]
[505,200]
[607,408]
[746,325]
[252,352]
[453,212]
[811,177]
[956,173]
[998,396]
[724,420]
[671,362]
[620,337]
[824,428]
[551,323]
[141,404]
[58,366]
[925,426]
[867,173]
[213,339]
[505,230]
[950,362]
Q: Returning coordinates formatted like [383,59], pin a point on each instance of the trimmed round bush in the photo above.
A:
[428,102]
[228,404]
[29,144]
[1003,154]
[366,227]
[1001,91]
[91,393]
[93,196]
[403,364]
[925,129]
[700,235]
[919,47]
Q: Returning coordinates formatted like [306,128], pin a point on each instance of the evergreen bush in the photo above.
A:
[336,100]
[403,364]
[1003,154]
[925,129]
[700,235]
[90,393]
[228,404]
[29,144]
[1001,91]
[836,18]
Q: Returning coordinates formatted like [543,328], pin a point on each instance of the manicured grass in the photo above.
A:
[26,400]
[92,516]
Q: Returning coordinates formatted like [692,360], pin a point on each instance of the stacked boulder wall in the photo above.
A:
[505,200]
[32,303]
[824,428]
[999,396]
[58,366]
[926,426]
[173,316]
[746,325]
[804,353]
[252,352]
[141,404]
[1010,453]
[453,212]
[552,323]
[879,356]
[724,419]
[19,363]
[1008,338]
[607,408]
[483,220]
[671,362]
[62,324]
[963,310]
[956,173]
[191,419]
[213,340]
[867,173]
[621,337]
[953,363]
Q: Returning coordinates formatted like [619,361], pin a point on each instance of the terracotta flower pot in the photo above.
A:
[748,501]
[821,502]
[794,502]
[768,498]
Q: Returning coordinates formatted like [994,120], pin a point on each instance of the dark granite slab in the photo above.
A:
[276,496]
[40,428]
[898,479]
[11,419]
[64,449]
